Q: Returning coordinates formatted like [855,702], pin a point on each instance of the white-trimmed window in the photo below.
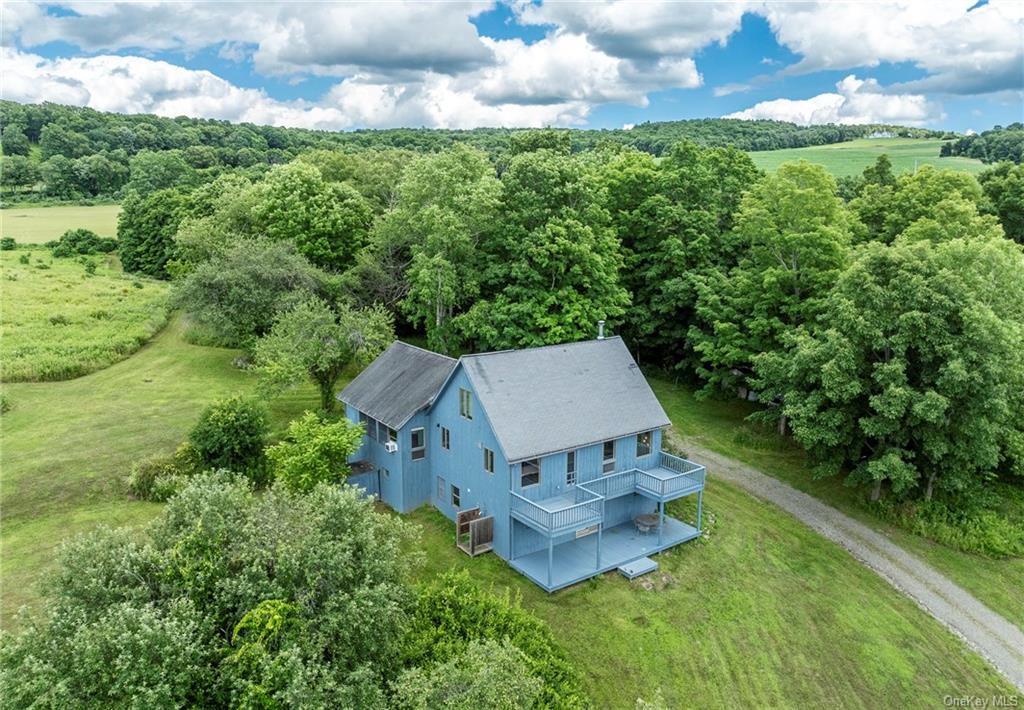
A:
[608,456]
[440,489]
[643,443]
[446,438]
[529,474]
[570,468]
[418,443]
[392,434]
[488,460]
[465,404]
[456,496]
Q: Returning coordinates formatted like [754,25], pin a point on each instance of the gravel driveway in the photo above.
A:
[982,629]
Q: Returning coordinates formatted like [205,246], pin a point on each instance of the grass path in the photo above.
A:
[68,446]
[993,636]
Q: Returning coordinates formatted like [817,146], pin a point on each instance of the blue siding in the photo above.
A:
[388,466]
[463,464]
[409,484]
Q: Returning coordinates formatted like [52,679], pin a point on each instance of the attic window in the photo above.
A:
[530,473]
[465,404]
[488,460]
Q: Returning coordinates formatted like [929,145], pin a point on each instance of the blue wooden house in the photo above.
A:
[550,456]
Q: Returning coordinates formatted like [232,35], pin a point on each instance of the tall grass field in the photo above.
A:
[851,157]
[37,225]
[59,321]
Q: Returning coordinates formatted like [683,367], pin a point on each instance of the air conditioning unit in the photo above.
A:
[391,446]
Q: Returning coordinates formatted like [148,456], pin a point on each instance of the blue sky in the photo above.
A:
[953,65]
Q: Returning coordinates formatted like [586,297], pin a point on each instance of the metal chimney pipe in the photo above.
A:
[600,330]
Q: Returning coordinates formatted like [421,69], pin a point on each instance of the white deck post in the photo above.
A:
[700,501]
[599,527]
[551,555]
[511,538]
[661,521]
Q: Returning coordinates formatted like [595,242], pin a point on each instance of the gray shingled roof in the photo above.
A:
[400,382]
[559,397]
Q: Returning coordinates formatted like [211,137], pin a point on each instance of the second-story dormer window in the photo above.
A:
[465,404]
[643,443]
[529,474]
[608,456]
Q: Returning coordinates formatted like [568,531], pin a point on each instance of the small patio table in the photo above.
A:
[646,522]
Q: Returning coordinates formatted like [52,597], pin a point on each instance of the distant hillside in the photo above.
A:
[851,157]
[75,132]
[58,153]
[991,146]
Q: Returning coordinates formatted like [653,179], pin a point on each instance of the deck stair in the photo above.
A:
[632,570]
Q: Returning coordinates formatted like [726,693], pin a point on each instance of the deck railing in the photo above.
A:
[612,484]
[588,509]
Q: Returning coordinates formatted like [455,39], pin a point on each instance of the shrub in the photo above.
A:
[7,244]
[81,241]
[25,258]
[487,674]
[90,267]
[59,319]
[452,612]
[230,599]
[160,477]
[231,434]
[314,451]
[989,524]
[5,403]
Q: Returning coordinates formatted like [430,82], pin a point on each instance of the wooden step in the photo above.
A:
[632,570]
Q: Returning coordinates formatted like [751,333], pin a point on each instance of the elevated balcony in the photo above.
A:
[583,506]
[577,509]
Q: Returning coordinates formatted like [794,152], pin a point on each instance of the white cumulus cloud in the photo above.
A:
[855,101]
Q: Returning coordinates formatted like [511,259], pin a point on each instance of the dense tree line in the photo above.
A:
[992,146]
[785,287]
[57,152]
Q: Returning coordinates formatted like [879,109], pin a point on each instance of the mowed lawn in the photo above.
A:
[37,225]
[851,157]
[763,613]
[68,446]
[58,321]
[720,426]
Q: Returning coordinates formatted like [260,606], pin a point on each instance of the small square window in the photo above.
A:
[570,468]
[529,474]
[387,474]
[465,404]
[643,443]
[456,498]
[446,438]
[608,458]
[488,460]
[392,434]
[418,444]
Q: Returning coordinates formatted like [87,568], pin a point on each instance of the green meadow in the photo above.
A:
[60,321]
[38,225]
[851,157]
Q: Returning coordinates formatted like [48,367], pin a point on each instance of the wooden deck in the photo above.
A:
[576,560]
